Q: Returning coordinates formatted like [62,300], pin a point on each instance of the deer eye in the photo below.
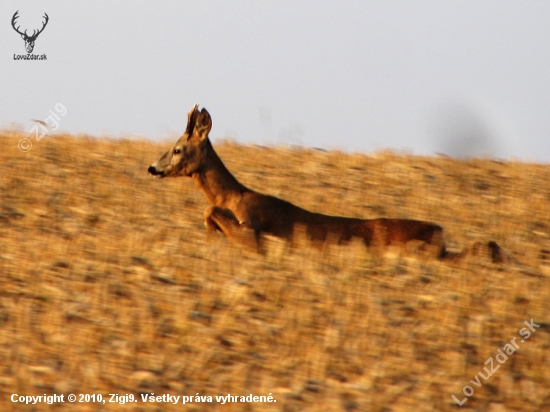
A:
[177,151]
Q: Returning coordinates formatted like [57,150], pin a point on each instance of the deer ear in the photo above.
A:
[191,116]
[203,124]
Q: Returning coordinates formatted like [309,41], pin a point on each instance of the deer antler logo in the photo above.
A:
[29,40]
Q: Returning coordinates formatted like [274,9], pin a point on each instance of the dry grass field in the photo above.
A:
[109,286]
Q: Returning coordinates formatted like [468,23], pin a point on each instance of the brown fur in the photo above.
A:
[243,215]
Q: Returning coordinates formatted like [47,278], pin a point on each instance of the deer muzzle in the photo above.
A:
[153,170]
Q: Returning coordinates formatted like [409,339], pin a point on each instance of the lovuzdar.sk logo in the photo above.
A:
[29,40]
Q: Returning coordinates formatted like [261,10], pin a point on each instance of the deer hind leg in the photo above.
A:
[223,220]
[434,241]
[490,250]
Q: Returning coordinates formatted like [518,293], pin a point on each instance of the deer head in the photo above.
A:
[29,40]
[189,153]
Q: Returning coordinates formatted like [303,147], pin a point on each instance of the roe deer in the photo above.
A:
[243,214]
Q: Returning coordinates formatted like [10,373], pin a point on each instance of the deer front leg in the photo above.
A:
[223,220]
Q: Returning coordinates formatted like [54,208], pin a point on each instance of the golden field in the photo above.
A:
[108,284]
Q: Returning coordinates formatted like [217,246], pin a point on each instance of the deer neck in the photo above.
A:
[218,184]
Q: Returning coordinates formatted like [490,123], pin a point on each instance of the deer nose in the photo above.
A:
[152,170]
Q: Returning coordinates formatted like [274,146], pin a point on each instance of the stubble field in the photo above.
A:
[108,284]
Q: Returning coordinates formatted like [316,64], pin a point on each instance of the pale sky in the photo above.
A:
[458,77]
